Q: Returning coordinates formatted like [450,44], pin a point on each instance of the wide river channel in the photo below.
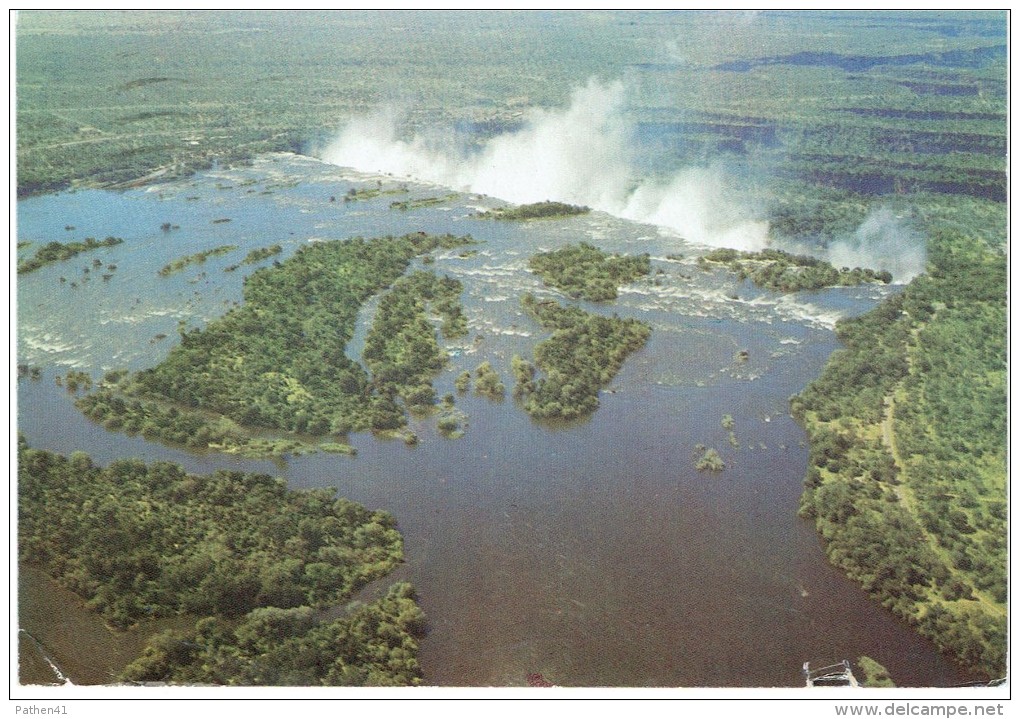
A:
[592,553]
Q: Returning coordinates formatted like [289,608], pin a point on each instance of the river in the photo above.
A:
[590,552]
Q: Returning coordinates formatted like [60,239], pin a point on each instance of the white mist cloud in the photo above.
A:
[883,241]
[582,154]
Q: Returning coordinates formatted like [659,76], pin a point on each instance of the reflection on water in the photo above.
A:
[592,553]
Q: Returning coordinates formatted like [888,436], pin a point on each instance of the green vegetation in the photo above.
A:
[487,382]
[338,448]
[356,194]
[401,348]
[422,202]
[907,473]
[908,461]
[584,353]
[198,258]
[261,253]
[278,361]
[239,552]
[168,423]
[535,211]
[783,272]
[708,460]
[156,541]
[463,381]
[58,251]
[874,675]
[75,380]
[583,270]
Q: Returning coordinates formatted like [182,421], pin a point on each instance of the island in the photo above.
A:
[57,251]
[585,271]
[583,355]
[784,272]
[196,259]
[535,211]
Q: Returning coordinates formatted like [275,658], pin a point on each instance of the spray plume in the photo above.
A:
[883,241]
[581,154]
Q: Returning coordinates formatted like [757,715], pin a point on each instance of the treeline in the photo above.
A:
[278,361]
[535,210]
[57,251]
[584,270]
[583,355]
[165,422]
[784,272]
[199,257]
[239,552]
[906,481]
[401,349]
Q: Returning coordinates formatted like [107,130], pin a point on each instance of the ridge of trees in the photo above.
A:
[57,251]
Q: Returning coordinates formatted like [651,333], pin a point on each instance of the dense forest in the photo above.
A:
[243,555]
[582,356]
[401,349]
[585,271]
[279,360]
[784,272]
[908,441]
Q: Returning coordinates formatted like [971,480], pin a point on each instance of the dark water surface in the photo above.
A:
[592,552]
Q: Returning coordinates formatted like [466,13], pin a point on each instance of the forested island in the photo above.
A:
[907,428]
[585,271]
[535,211]
[785,272]
[261,253]
[583,355]
[57,251]
[196,259]
[278,361]
[249,560]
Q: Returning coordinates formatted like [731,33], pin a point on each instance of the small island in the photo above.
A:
[261,253]
[585,271]
[196,259]
[405,205]
[784,272]
[583,355]
[58,251]
[535,211]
